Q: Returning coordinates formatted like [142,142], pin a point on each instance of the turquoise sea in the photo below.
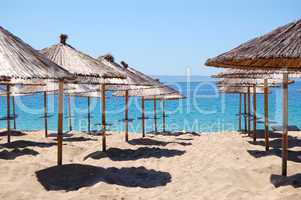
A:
[204,109]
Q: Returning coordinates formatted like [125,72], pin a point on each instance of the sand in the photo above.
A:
[209,166]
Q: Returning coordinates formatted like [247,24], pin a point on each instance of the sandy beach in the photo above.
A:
[209,166]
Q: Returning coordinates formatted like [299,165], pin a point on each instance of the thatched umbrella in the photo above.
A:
[243,91]
[240,77]
[255,74]
[81,64]
[19,62]
[137,81]
[152,93]
[163,99]
[26,90]
[233,79]
[84,66]
[250,82]
[87,91]
[279,50]
[82,90]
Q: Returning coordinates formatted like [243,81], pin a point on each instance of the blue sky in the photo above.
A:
[158,37]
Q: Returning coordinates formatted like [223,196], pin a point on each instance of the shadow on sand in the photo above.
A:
[24,144]
[293,156]
[65,135]
[77,139]
[260,134]
[152,142]
[277,143]
[12,133]
[184,139]
[75,176]
[11,155]
[176,134]
[117,154]
[279,181]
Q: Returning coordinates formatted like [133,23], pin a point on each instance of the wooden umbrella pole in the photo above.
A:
[254,114]
[89,116]
[285,125]
[266,114]
[142,117]
[126,116]
[155,114]
[249,112]
[14,113]
[163,115]
[245,112]
[239,118]
[60,123]
[69,113]
[8,112]
[103,114]
[45,114]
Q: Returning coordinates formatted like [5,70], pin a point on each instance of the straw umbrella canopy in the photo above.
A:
[170,96]
[22,90]
[26,90]
[256,74]
[85,91]
[227,85]
[81,64]
[20,62]
[250,82]
[244,91]
[160,91]
[134,78]
[239,90]
[84,66]
[163,99]
[279,50]
[253,78]
[137,81]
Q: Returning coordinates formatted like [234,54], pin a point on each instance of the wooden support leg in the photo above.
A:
[60,123]
[126,115]
[239,112]
[285,125]
[163,115]
[8,113]
[254,114]
[89,116]
[142,117]
[245,111]
[266,115]
[249,112]
[155,114]
[45,114]
[69,113]
[14,113]
[103,114]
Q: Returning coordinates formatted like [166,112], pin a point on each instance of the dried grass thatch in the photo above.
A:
[18,60]
[244,90]
[24,90]
[249,82]
[157,91]
[134,78]
[278,49]
[84,90]
[255,74]
[148,92]
[173,96]
[81,64]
